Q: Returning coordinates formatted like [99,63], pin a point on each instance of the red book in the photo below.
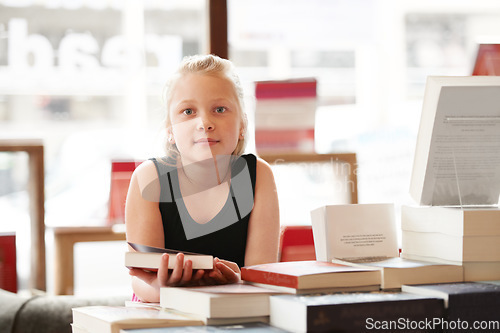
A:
[293,88]
[121,173]
[8,267]
[487,60]
[312,276]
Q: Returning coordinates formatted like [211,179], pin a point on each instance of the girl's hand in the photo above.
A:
[181,275]
[224,272]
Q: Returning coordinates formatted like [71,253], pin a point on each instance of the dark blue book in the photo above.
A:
[467,301]
[354,312]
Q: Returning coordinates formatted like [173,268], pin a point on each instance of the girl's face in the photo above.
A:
[205,116]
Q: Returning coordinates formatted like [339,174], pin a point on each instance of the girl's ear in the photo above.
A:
[244,121]
[170,135]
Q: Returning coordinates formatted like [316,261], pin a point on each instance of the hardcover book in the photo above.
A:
[468,301]
[352,312]
[311,276]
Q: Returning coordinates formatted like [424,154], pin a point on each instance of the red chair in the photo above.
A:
[296,243]
[121,173]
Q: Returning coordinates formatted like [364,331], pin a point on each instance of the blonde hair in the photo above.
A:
[208,65]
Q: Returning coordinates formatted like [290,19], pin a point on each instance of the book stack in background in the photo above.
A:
[364,236]
[285,113]
[455,179]
[469,237]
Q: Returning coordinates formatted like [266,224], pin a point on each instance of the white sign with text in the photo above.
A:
[354,231]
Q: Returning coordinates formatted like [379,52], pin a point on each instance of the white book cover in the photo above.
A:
[354,231]
[457,156]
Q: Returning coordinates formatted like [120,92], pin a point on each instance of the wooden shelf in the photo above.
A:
[36,189]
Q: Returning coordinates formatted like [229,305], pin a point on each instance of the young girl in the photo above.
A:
[204,196]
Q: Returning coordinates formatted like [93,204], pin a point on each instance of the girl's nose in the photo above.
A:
[206,124]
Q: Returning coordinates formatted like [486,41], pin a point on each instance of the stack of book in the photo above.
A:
[463,236]
[285,115]
[364,236]
[456,178]
[112,319]
[220,304]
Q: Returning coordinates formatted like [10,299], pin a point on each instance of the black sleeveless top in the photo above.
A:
[225,236]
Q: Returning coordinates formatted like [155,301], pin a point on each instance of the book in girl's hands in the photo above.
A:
[149,257]
[111,319]
[220,304]
[302,277]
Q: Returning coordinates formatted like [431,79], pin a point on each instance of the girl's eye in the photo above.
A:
[220,109]
[188,112]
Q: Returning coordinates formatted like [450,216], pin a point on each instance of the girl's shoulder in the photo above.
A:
[263,167]
[153,168]
[145,172]
[257,163]
[161,165]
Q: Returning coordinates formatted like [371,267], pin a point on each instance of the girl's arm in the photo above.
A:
[144,226]
[142,214]
[264,224]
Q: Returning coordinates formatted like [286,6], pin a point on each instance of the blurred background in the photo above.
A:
[86,76]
